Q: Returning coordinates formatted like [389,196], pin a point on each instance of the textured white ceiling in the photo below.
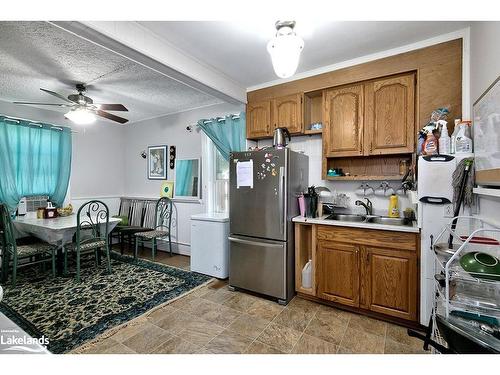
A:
[38,55]
[238,49]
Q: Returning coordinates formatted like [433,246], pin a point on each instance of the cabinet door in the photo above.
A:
[287,112]
[389,282]
[343,133]
[390,115]
[259,120]
[337,274]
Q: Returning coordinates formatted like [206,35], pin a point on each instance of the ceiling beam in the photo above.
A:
[133,41]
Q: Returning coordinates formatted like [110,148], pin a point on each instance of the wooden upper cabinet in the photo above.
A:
[337,272]
[389,282]
[343,115]
[259,120]
[390,115]
[287,112]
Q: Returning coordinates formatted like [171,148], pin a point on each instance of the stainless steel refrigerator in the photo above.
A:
[263,199]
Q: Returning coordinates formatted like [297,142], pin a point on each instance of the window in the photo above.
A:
[221,183]
[215,179]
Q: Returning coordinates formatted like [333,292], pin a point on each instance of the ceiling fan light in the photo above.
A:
[81,116]
[285,49]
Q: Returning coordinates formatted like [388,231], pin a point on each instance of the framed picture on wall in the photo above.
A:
[167,189]
[157,162]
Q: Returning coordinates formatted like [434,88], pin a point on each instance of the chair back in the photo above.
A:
[136,213]
[125,208]
[92,222]
[149,220]
[163,214]
[8,235]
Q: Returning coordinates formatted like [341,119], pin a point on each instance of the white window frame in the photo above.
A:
[209,158]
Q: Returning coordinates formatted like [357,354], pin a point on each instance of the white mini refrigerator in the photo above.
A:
[210,244]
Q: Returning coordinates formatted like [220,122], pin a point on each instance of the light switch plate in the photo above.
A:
[448,210]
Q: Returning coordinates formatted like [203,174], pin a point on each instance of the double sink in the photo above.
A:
[370,219]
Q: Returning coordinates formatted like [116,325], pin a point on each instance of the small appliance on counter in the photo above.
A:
[279,137]
[22,207]
[50,212]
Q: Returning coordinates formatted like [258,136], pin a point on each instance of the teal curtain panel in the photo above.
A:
[227,133]
[35,159]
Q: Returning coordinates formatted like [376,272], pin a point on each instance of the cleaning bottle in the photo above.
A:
[393,206]
[431,143]
[444,139]
[307,275]
[464,138]
[454,136]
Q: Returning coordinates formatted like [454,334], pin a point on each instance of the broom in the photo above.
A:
[463,182]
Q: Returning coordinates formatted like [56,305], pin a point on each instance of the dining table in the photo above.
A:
[58,231]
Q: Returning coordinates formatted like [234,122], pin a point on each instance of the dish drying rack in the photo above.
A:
[461,293]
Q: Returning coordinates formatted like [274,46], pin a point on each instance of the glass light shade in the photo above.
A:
[285,51]
[80,116]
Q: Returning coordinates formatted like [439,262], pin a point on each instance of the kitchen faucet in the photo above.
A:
[368,206]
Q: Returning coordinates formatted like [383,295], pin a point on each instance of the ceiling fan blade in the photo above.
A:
[57,95]
[57,105]
[112,107]
[112,117]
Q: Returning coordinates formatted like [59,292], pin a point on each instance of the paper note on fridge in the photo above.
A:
[244,174]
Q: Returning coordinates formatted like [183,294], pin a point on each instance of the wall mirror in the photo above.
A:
[187,179]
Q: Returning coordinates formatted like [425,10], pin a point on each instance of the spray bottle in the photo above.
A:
[444,139]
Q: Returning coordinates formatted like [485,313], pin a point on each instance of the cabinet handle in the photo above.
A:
[367,257]
[371,146]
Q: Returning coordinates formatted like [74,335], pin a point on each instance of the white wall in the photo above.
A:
[312,147]
[484,69]
[97,159]
[168,130]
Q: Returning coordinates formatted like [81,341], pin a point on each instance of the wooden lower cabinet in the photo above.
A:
[389,282]
[338,272]
[372,270]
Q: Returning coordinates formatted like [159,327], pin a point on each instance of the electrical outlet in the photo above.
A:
[448,210]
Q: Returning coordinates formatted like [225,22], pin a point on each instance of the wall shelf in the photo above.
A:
[313,131]
[487,191]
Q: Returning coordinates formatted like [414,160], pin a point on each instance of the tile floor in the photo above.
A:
[215,320]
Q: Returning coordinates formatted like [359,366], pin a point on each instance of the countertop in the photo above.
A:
[321,220]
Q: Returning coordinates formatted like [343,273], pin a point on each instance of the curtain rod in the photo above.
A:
[234,116]
[34,122]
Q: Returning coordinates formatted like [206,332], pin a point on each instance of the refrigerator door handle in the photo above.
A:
[281,196]
[255,243]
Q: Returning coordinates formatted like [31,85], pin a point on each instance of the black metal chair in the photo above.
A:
[91,235]
[30,252]
[161,229]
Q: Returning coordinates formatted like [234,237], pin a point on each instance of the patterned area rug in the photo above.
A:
[70,313]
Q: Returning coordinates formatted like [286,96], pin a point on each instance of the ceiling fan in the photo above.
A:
[82,109]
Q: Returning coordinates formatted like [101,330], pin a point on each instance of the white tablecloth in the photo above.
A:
[58,231]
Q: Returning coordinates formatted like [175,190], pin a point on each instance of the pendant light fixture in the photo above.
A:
[285,49]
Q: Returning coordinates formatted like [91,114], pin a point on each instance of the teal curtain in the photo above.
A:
[183,177]
[228,135]
[35,159]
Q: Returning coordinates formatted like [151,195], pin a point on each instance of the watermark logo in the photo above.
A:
[14,340]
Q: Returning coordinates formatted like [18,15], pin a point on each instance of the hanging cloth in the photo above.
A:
[227,133]
[35,159]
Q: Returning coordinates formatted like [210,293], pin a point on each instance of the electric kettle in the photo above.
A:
[279,138]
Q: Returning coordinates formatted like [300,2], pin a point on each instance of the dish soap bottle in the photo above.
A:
[393,206]
[444,139]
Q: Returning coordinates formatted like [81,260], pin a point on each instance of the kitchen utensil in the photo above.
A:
[279,138]
[481,265]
